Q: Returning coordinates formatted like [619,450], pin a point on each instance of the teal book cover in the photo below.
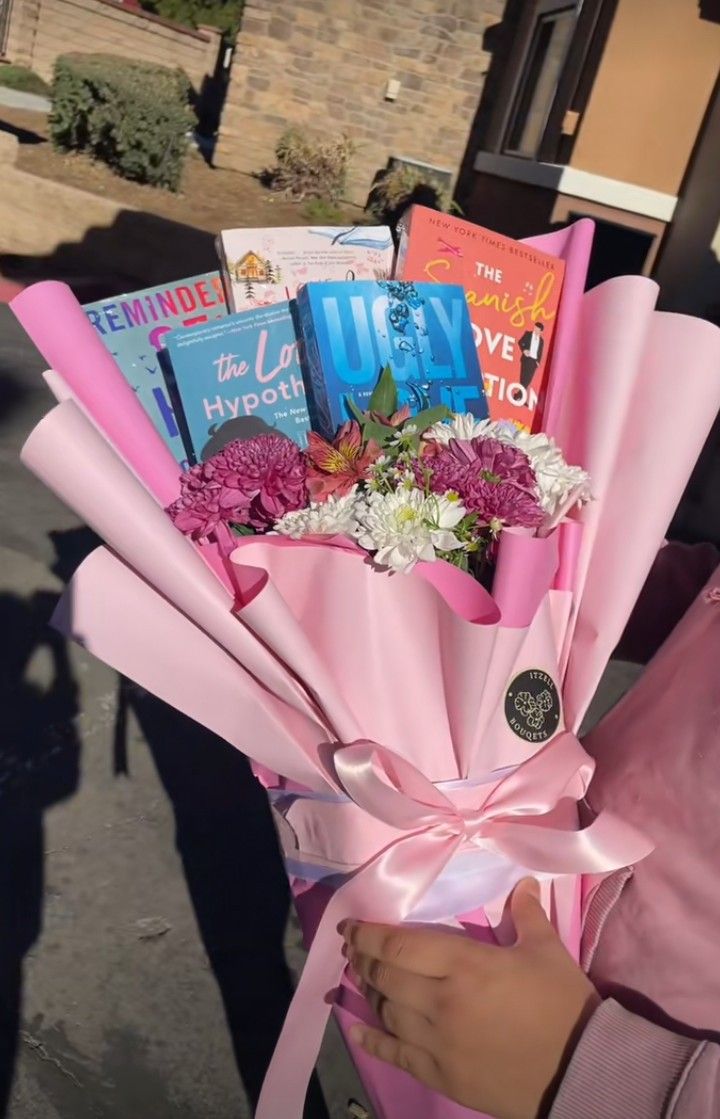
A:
[134,327]
[352,330]
[238,378]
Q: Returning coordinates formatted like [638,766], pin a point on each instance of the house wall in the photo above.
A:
[323,66]
[656,78]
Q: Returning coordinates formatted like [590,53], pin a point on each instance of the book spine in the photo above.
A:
[402,249]
[225,275]
[315,388]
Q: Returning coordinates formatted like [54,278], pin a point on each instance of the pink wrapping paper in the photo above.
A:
[60,329]
[636,415]
[574,245]
[461,732]
[318,632]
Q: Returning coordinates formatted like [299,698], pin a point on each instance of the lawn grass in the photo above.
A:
[22,79]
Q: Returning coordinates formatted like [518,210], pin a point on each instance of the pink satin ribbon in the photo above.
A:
[387,888]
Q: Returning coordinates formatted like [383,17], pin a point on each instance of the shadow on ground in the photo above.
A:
[224,832]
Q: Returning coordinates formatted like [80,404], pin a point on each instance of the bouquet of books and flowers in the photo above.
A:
[356,564]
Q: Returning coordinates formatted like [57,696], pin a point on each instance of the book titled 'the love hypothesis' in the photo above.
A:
[512,291]
[237,378]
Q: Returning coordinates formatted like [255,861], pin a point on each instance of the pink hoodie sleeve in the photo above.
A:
[677,576]
[624,1067]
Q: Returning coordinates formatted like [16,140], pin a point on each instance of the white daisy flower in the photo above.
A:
[557,482]
[336,516]
[406,526]
[463,426]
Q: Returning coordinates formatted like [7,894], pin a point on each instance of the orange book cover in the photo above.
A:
[513,292]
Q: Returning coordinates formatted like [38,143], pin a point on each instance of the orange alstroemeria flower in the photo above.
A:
[334,468]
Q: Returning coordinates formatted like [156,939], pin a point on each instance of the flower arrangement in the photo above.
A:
[405,488]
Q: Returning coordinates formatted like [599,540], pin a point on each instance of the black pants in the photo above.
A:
[528,369]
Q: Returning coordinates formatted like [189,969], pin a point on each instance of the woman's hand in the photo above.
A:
[491,1028]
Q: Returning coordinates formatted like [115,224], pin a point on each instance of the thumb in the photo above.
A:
[528,915]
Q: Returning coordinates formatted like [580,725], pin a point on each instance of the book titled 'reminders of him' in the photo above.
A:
[237,378]
[513,293]
[263,266]
[134,327]
[351,331]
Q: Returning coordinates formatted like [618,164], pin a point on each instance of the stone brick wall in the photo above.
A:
[324,65]
[40,30]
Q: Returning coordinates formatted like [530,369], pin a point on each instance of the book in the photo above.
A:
[134,327]
[513,293]
[351,331]
[237,378]
[264,266]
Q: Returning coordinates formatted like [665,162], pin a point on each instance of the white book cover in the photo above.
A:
[265,266]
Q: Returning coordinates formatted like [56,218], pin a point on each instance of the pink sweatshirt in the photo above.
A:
[652,936]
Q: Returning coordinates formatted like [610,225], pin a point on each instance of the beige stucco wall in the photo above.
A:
[658,71]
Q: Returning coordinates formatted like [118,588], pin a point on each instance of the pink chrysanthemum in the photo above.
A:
[493,479]
[250,482]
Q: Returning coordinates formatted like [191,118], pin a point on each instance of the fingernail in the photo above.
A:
[532,886]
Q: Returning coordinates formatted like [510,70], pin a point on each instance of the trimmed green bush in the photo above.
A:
[134,116]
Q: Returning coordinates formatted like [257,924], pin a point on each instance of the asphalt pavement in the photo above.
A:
[144,924]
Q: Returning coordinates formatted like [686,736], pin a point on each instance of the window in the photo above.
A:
[547,50]
[4,24]
[547,80]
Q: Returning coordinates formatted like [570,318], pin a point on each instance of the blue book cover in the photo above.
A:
[351,330]
[134,327]
[238,378]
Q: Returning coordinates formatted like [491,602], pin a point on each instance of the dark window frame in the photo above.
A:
[577,74]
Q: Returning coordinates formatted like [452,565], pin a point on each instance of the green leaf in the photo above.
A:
[355,411]
[243,530]
[456,558]
[428,417]
[384,399]
[381,433]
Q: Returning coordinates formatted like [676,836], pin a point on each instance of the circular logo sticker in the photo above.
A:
[532,706]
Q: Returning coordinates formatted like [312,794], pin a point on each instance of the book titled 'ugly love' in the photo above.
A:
[263,266]
[134,327]
[237,378]
[513,294]
[351,331]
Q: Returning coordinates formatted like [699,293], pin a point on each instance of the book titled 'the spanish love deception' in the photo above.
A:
[351,331]
[237,378]
[513,294]
[134,328]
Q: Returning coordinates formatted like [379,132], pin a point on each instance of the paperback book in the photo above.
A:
[351,331]
[264,266]
[134,327]
[237,378]
[513,293]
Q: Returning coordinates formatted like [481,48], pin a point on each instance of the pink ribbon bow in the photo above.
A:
[432,829]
